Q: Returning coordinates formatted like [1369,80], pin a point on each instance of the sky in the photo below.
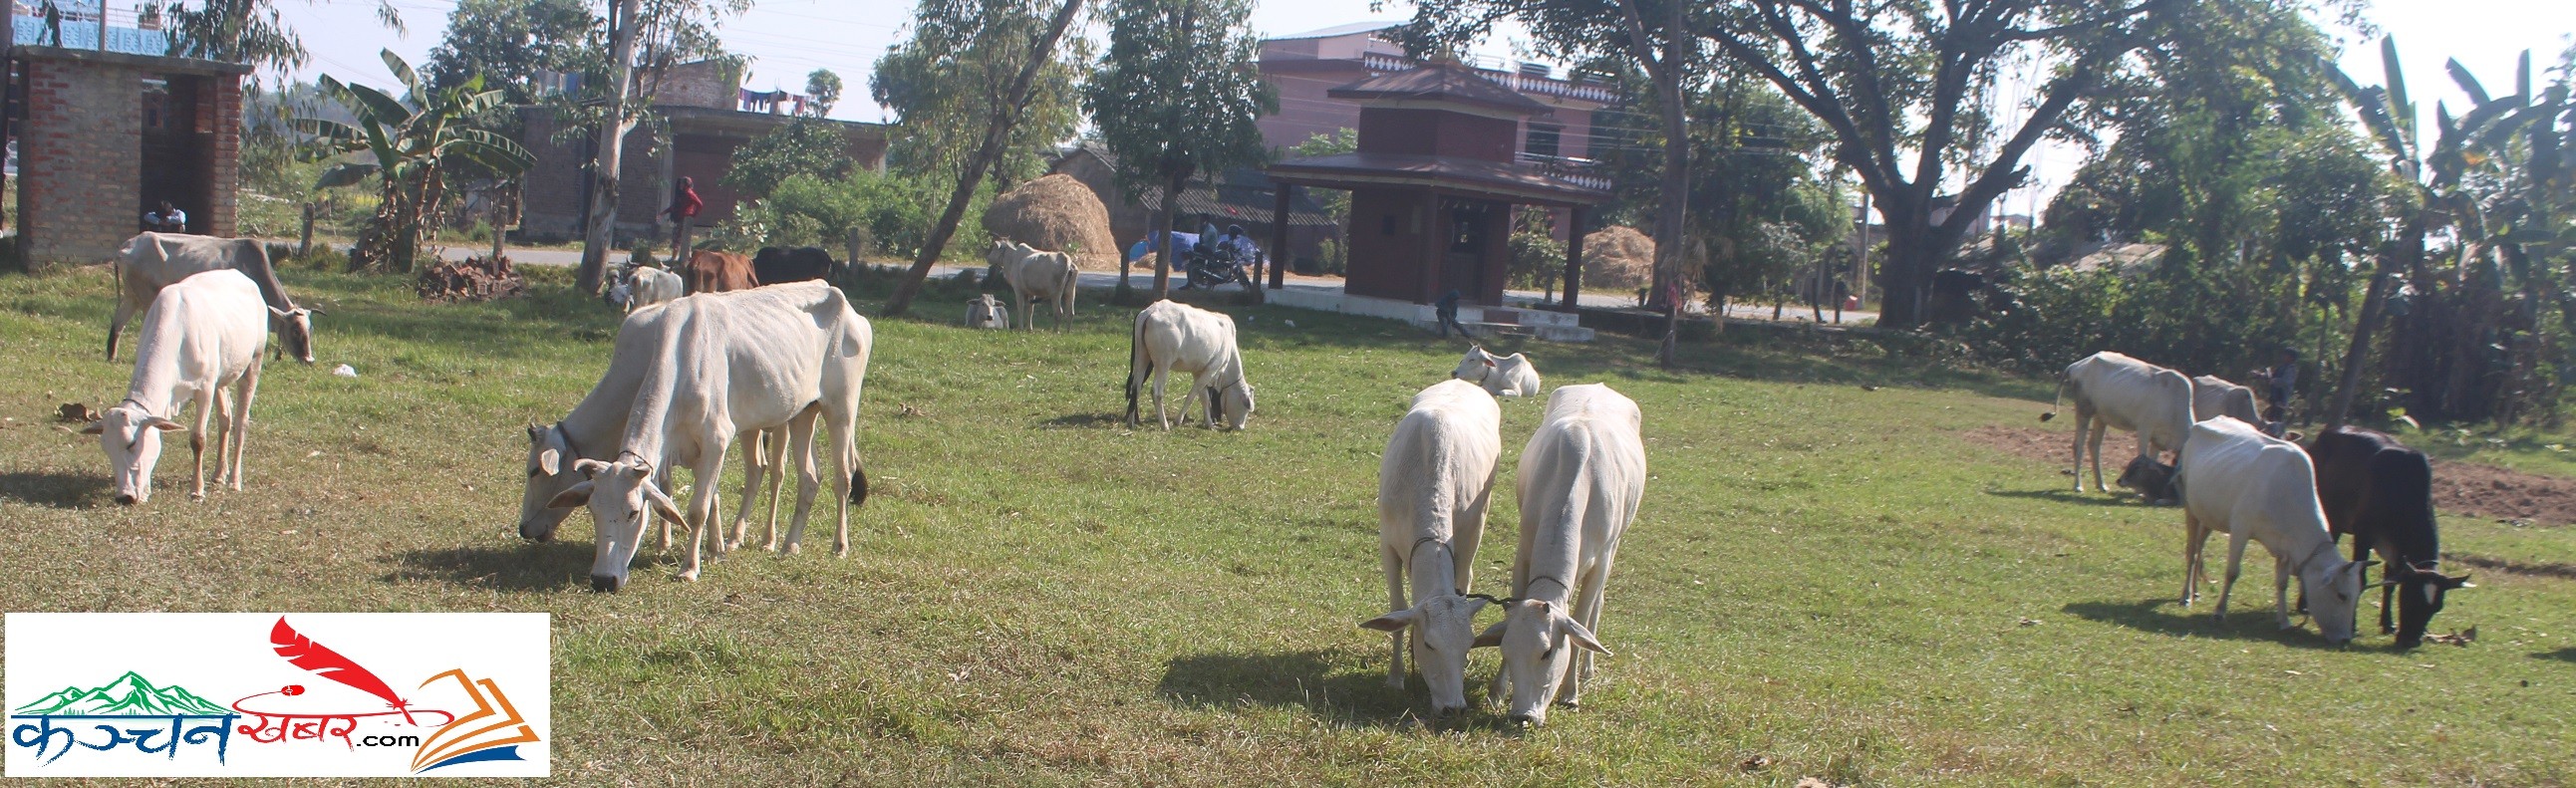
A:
[789,38]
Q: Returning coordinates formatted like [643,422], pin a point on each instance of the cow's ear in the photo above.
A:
[1391,622]
[571,497]
[1575,631]
[95,427]
[589,467]
[550,461]
[280,314]
[166,425]
[662,504]
[1491,637]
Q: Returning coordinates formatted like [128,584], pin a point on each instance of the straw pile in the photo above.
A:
[1617,258]
[1058,214]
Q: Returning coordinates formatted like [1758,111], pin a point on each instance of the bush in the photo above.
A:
[892,213]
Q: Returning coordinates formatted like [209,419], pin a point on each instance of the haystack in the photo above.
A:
[1617,258]
[1058,214]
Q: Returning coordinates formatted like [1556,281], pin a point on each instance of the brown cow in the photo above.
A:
[717,272]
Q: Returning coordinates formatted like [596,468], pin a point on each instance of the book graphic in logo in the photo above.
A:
[493,732]
[130,710]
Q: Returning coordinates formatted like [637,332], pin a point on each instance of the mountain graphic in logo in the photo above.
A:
[130,695]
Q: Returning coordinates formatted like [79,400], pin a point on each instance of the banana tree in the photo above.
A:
[2451,320]
[412,143]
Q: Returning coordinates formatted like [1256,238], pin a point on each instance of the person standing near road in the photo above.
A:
[683,213]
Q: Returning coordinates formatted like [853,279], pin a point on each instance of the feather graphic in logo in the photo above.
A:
[304,653]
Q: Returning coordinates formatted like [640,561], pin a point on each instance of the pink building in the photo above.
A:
[1306,67]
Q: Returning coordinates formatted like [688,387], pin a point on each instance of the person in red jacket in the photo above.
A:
[683,212]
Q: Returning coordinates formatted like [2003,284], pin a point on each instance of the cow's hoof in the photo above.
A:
[841,551]
[792,548]
[199,495]
[689,576]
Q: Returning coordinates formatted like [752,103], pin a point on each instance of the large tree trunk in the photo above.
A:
[600,233]
[1912,252]
[1171,213]
[997,135]
[1674,194]
[2373,305]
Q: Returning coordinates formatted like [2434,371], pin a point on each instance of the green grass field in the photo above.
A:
[1826,581]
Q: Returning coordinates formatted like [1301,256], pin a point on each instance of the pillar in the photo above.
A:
[1573,258]
[1279,236]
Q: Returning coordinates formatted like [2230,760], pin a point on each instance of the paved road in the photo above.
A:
[1145,278]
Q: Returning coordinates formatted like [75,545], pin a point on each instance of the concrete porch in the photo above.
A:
[1547,325]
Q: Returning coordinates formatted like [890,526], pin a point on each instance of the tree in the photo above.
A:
[645,39]
[948,81]
[1898,84]
[243,31]
[411,143]
[825,88]
[805,146]
[508,43]
[1007,109]
[1178,95]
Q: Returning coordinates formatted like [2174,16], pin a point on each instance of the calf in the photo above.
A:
[1433,486]
[649,286]
[987,312]
[151,261]
[1172,336]
[711,271]
[1502,376]
[1581,477]
[2256,487]
[780,265]
[1044,276]
[2112,390]
[727,364]
[200,336]
[2380,493]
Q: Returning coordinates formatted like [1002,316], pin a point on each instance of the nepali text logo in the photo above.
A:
[161,720]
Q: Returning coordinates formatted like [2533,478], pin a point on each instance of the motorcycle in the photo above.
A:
[1210,269]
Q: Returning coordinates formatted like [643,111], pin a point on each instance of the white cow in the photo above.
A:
[2251,486]
[200,335]
[596,427]
[1033,274]
[985,311]
[1433,486]
[727,364]
[1502,376]
[2113,390]
[2213,396]
[1171,336]
[649,286]
[1581,477]
[151,261]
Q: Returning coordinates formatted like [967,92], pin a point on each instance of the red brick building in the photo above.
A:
[1306,67]
[105,136]
[703,105]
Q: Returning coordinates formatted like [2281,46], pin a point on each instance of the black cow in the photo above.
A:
[2381,493]
[776,264]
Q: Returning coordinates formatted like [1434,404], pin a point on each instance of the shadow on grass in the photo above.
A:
[517,566]
[2567,654]
[1305,679]
[1088,420]
[2159,616]
[2070,497]
[53,489]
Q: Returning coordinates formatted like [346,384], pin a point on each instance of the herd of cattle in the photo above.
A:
[755,351]
[2234,475]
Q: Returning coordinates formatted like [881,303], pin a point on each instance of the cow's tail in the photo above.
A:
[858,482]
[1138,366]
[2062,382]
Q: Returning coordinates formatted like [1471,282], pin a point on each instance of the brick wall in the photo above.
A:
[82,179]
[219,109]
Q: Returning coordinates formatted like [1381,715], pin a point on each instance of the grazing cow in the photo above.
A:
[1043,276]
[2381,493]
[2112,390]
[1171,336]
[200,335]
[727,364]
[775,265]
[2255,487]
[151,261]
[1433,486]
[2213,396]
[1502,376]
[649,286]
[1581,477]
[593,429]
[719,272]
[987,312]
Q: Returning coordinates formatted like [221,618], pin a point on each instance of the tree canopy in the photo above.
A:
[1178,95]
[946,81]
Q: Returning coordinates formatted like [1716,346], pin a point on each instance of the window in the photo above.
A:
[156,104]
[1543,140]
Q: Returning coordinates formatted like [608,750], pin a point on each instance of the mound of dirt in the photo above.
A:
[475,279]
[2459,488]
[1617,258]
[1058,214]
